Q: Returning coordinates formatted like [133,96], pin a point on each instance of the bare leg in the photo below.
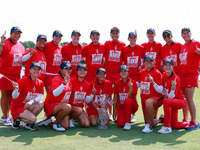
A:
[6,96]
[185,109]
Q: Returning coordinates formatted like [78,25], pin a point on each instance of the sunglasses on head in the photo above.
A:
[166,35]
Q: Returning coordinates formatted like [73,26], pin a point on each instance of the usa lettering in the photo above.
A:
[66,97]
[43,66]
[79,97]
[183,58]
[30,96]
[122,97]
[145,88]
[76,59]
[17,60]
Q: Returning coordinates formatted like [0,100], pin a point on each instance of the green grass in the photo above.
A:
[92,138]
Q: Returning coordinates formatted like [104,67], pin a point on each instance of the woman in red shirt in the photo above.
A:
[26,103]
[151,89]
[125,102]
[174,99]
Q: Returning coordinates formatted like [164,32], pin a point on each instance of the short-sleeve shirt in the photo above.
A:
[54,57]
[73,54]
[28,90]
[102,91]
[94,55]
[11,58]
[167,83]
[132,58]
[154,50]
[113,59]
[66,93]
[171,52]
[79,92]
[146,87]
[40,57]
[189,59]
[122,89]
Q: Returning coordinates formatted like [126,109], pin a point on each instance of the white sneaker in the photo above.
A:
[133,118]
[71,123]
[147,128]
[58,127]
[6,121]
[111,117]
[127,126]
[44,122]
[165,130]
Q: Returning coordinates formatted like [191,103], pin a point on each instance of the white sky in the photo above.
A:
[45,16]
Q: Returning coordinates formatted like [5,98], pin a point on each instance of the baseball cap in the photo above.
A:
[167,31]
[81,66]
[148,57]
[101,70]
[41,36]
[35,64]
[15,29]
[185,28]
[65,65]
[151,29]
[114,29]
[57,32]
[93,32]
[131,34]
[123,67]
[168,60]
[75,31]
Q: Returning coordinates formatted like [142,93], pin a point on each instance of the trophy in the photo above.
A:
[103,115]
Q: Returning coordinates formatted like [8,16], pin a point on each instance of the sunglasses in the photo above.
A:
[168,35]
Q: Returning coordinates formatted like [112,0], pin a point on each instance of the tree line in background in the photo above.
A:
[30,44]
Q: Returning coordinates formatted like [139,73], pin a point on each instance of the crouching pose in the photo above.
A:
[26,99]
[125,102]
[101,91]
[151,89]
[174,99]
[57,101]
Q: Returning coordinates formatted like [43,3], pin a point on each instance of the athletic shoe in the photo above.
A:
[58,127]
[44,122]
[30,127]
[127,126]
[165,130]
[133,118]
[147,128]
[71,123]
[6,121]
[161,118]
[111,117]
[15,125]
[192,126]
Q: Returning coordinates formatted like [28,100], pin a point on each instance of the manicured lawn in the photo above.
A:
[92,138]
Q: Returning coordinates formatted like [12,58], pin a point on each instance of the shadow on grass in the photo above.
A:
[113,134]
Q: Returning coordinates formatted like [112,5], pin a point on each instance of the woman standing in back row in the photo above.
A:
[188,72]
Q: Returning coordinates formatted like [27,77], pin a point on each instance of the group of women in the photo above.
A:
[76,77]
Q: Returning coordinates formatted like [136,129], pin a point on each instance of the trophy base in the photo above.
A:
[102,127]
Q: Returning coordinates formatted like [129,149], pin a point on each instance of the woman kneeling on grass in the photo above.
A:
[80,88]
[151,89]
[101,91]
[57,101]
[26,103]
[125,102]
[174,99]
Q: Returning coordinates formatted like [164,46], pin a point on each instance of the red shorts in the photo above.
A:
[91,111]
[16,110]
[159,99]
[48,79]
[189,80]
[49,108]
[5,84]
